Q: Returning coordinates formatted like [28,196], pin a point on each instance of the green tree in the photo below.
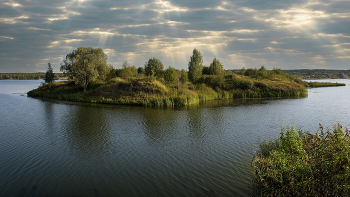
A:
[242,71]
[141,70]
[251,72]
[85,64]
[216,68]
[206,70]
[262,71]
[154,67]
[195,66]
[127,71]
[49,76]
[183,76]
[170,75]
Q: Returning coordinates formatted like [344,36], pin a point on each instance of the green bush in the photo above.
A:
[303,164]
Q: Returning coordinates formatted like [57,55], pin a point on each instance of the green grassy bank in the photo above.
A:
[302,164]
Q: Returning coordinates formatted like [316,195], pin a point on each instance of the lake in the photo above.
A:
[57,148]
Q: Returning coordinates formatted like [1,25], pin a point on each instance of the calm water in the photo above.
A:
[71,149]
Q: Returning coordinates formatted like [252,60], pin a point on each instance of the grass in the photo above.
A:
[302,164]
[322,84]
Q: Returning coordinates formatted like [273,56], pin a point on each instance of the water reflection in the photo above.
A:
[160,124]
[49,116]
[87,131]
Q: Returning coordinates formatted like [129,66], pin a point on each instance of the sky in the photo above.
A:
[285,34]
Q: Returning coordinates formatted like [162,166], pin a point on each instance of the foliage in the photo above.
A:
[195,66]
[206,70]
[319,73]
[303,164]
[251,72]
[242,71]
[170,75]
[154,67]
[141,70]
[322,84]
[49,75]
[183,77]
[262,72]
[85,65]
[127,71]
[216,68]
[27,76]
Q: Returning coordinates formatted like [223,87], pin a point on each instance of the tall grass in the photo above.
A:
[302,164]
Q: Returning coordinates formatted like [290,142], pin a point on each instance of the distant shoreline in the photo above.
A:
[309,74]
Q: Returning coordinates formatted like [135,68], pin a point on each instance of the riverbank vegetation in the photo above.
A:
[319,73]
[28,76]
[91,79]
[302,164]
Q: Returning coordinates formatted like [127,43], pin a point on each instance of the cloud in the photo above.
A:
[286,34]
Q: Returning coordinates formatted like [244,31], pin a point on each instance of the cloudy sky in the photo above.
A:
[287,34]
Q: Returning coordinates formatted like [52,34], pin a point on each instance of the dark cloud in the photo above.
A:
[195,4]
[35,32]
[267,5]
[331,6]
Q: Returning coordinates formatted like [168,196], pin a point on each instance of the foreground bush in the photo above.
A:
[302,164]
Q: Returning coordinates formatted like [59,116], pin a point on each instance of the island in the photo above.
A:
[92,80]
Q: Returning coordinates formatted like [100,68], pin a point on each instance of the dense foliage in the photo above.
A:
[303,164]
[27,76]
[319,73]
[85,64]
[216,68]
[154,67]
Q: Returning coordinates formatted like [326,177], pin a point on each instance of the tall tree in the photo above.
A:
[85,64]
[195,66]
[216,68]
[49,75]
[154,67]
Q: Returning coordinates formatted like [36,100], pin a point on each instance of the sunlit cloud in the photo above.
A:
[6,37]
[13,4]
[239,33]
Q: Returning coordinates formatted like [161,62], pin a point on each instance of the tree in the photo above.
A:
[262,71]
[184,76]
[195,66]
[154,67]
[242,71]
[216,68]
[141,70]
[49,76]
[127,71]
[206,70]
[170,75]
[85,64]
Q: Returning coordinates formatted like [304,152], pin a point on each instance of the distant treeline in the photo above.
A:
[27,76]
[319,73]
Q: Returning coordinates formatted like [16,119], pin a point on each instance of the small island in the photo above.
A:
[92,80]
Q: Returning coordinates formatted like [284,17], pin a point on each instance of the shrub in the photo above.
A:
[170,75]
[303,164]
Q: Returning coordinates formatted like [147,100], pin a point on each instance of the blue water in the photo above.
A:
[50,147]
